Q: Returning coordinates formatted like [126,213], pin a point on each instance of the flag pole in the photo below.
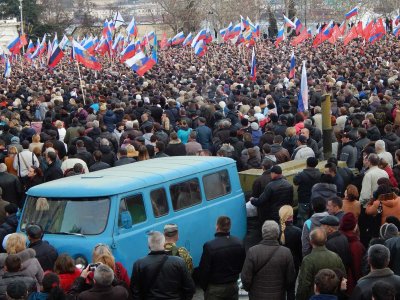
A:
[80,83]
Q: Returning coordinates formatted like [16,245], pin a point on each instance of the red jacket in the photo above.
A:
[67,279]
[357,252]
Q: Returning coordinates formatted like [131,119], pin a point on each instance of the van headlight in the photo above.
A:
[81,262]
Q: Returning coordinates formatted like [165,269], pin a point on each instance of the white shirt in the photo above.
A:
[69,163]
[23,161]
[370,183]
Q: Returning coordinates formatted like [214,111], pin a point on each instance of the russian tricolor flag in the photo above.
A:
[396,30]
[128,52]
[178,39]
[132,29]
[352,13]
[82,56]
[15,45]
[31,47]
[188,40]
[140,63]
[7,70]
[292,71]
[200,48]
[298,24]
[289,23]
[55,57]
[281,36]
[253,70]
[199,37]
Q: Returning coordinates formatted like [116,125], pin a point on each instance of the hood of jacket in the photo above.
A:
[391,136]
[24,255]
[325,189]
[312,173]
[275,148]
[316,218]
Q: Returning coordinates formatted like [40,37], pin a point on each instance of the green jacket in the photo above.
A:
[182,252]
[319,258]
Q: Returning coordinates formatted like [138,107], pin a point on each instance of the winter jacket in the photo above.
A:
[357,251]
[260,183]
[9,226]
[370,183]
[11,186]
[394,247]
[53,172]
[392,142]
[46,254]
[277,193]
[30,265]
[108,156]
[172,282]
[255,136]
[337,242]
[308,226]
[293,242]
[305,181]
[99,165]
[390,206]
[110,119]
[319,258]
[302,152]
[373,133]
[105,292]
[124,160]
[8,278]
[67,279]
[390,173]
[183,134]
[324,190]
[274,280]
[282,155]
[175,148]
[363,290]
[349,154]
[222,260]
[361,144]
[289,143]
[204,137]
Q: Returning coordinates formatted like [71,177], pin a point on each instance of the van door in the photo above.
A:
[130,240]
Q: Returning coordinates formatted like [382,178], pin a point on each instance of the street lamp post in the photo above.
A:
[22,23]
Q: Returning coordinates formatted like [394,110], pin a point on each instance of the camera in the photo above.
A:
[93,267]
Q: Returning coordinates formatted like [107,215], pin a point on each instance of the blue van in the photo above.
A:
[119,206]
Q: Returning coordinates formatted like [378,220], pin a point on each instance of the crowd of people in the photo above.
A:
[342,240]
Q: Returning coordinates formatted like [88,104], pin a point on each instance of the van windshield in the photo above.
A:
[67,215]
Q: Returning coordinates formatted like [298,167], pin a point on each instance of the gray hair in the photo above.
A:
[156,241]
[3,168]
[308,122]
[104,142]
[380,144]
[103,275]
[129,124]
[270,230]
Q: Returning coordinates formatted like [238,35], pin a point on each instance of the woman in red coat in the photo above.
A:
[65,268]
[348,226]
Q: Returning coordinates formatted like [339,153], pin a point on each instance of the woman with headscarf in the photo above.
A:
[290,234]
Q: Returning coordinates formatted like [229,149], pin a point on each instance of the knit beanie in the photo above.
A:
[388,231]
[348,222]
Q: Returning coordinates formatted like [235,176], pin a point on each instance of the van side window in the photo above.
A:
[216,184]
[159,202]
[185,194]
[135,205]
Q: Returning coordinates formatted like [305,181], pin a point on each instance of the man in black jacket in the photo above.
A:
[378,259]
[11,186]
[159,275]
[221,263]
[305,180]
[53,171]
[46,254]
[277,193]
[335,240]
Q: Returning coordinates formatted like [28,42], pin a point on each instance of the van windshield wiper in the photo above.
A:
[66,233]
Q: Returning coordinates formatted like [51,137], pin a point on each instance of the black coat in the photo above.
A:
[173,281]
[9,226]
[124,161]
[222,260]
[99,166]
[108,156]
[12,188]
[305,181]
[293,242]
[175,149]
[363,289]
[46,254]
[338,243]
[260,183]
[277,193]
[53,172]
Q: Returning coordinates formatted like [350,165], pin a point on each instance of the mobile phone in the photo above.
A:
[93,267]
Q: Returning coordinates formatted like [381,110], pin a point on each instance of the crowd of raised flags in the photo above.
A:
[141,54]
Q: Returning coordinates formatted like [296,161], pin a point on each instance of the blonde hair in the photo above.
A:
[16,243]
[106,259]
[285,213]
[36,138]
[290,131]
[12,150]
[100,250]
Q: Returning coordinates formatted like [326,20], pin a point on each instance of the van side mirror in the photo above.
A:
[126,219]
